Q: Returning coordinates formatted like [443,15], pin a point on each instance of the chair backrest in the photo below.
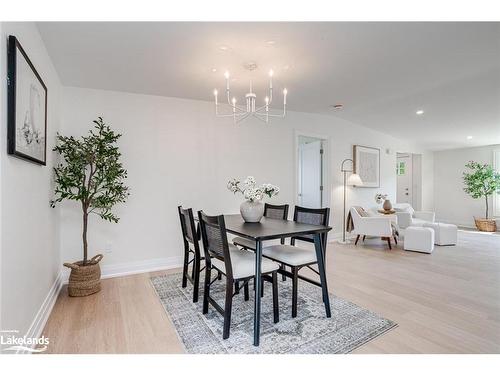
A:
[276,211]
[214,236]
[188,226]
[403,207]
[316,216]
[357,213]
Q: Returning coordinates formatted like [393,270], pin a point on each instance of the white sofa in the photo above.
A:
[378,226]
[408,217]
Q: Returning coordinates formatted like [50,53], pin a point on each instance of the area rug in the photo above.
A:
[309,333]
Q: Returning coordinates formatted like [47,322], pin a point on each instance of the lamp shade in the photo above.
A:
[354,180]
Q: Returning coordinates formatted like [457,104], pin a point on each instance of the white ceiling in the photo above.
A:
[381,72]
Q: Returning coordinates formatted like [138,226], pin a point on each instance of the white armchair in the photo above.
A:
[379,226]
[408,217]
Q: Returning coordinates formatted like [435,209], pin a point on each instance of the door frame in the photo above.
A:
[326,196]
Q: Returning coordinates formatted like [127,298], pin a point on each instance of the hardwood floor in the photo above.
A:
[446,302]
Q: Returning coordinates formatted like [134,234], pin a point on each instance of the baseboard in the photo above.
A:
[132,268]
[463,224]
[36,328]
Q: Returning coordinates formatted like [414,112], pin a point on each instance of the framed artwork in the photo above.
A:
[27,107]
[367,165]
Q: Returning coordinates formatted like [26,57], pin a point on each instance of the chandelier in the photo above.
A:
[242,112]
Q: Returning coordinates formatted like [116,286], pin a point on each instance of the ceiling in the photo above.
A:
[381,72]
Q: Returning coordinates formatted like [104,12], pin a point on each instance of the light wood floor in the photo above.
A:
[447,302]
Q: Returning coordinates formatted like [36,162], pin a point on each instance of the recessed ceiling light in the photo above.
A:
[214,70]
[271,42]
[469,137]
[420,112]
[337,107]
[223,48]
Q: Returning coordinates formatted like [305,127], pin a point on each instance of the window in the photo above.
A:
[400,168]
[496,197]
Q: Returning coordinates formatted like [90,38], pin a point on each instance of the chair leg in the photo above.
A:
[227,307]
[196,279]
[389,242]
[206,289]
[396,240]
[219,277]
[276,309]
[357,239]
[193,268]
[185,267]
[236,287]
[245,291]
[295,282]
[262,289]
[364,238]
[283,277]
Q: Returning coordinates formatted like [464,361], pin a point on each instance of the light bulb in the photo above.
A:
[234,101]
[226,74]
[267,100]
[215,92]
[271,73]
[285,91]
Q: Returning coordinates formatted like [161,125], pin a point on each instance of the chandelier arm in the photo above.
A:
[225,115]
[261,119]
[238,119]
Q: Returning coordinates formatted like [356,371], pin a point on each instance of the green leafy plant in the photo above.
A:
[91,173]
[481,181]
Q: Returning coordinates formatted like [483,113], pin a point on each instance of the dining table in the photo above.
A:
[271,229]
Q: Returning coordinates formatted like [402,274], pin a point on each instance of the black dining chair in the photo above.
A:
[236,264]
[298,257]
[191,238]
[271,211]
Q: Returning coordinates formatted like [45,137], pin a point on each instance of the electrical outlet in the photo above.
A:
[108,247]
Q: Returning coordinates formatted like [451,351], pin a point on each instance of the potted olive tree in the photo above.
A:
[481,181]
[92,174]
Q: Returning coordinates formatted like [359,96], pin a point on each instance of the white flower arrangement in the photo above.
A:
[250,191]
[380,198]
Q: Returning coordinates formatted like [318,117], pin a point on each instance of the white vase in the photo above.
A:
[252,212]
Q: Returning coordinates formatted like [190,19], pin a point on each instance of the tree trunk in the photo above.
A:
[486,197]
[84,235]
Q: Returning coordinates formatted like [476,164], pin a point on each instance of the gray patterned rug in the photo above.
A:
[310,332]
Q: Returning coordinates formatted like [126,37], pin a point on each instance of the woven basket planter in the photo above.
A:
[84,279]
[486,225]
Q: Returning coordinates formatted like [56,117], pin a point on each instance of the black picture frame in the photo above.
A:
[34,144]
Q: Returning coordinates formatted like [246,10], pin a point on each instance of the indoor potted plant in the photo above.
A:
[92,174]
[252,208]
[481,181]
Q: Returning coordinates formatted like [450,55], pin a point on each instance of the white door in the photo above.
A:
[310,174]
[404,179]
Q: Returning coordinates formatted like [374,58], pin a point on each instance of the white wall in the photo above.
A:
[452,204]
[29,228]
[177,152]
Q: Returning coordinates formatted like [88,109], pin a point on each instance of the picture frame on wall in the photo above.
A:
[367,165]
[26,108]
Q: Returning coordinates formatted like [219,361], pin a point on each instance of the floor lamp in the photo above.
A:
[353,180]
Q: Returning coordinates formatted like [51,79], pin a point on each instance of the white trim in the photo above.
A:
[132,268]
[36,328]
[496,198]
